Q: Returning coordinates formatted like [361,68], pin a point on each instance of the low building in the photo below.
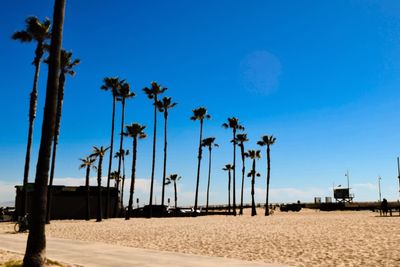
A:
[69,202]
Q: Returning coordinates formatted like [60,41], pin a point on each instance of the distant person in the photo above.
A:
[384,207]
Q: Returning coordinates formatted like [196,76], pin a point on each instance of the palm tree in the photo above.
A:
[36,245]
[124,93]
[114,176]
[39,32]
[199,114]
[99,153]
[152,93]
[233,123]
[123,154]
[173,178]
[210,143]
[87,163]
[253,154]
[66,67]
[163,106]
[135,131]
[240,139]
[228,168]
[113,84]
[267,140]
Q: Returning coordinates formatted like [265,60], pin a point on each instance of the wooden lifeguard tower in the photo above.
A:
[342,194]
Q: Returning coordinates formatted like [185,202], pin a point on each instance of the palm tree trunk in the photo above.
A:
[229,191]
[121,141]
[36,245]
[154,158]
[55,143]
[268,177]
[133,176]
[32,116]
[110,161]
[176,195]
[87,193]
[209,178]
[198,168]
[234,172]
[99,200]
[243,173]
[165,156]
[253,178]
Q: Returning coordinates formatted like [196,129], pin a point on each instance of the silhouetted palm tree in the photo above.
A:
[173,178]
[123,155]
[39,32]
[134,131]
[233,123]
[210,143]
[152,93]
[99,153]
[240,139]
[253,154]
[228,168]
[124,93]
[36,245]
[87,163]
[267,140]
[199,114]
[113,84]
[114,176]
[66,67]
[163,106]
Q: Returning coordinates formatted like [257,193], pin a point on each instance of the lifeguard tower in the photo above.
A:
[342,194]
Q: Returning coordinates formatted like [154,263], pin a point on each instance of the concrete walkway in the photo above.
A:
[99,254]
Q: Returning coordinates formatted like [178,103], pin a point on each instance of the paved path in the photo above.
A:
[99,254]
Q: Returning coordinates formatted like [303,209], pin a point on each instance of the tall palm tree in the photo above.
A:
[163,106]
[99,152]
[228,168]
[233,123]
[135,131]
[67,65]
[39,32]
[113,84]
[173,178]
[210,143]
[254,155]
[240,139]
[199,114]
[36,246]
[114,176]
[88,164]
[123,154]
[152,93]
[124,94]
[267,140]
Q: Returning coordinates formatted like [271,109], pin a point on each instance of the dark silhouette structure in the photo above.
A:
[229,168]
[254,155]
[240,139]
[210,143]
[173,178]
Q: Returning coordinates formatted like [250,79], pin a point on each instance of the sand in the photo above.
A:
[306,238]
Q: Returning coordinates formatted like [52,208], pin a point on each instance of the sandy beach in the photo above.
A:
[307,238]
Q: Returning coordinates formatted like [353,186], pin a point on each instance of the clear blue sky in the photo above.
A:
[322,76]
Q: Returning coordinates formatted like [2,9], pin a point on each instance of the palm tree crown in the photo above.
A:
[241,138]
[200,114]
[124,91]
[35,30]
[209,142]
[154,90]
[233,123]
[113,84]
[135,130]
[253,154]
[266,140]
[228,167]
[172,178]
[165,104]
[86,162]
[98,151]
[66,62]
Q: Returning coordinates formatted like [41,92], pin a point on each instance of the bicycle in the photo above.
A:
[22,225]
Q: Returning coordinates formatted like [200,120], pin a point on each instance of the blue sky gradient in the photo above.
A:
[321,76]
